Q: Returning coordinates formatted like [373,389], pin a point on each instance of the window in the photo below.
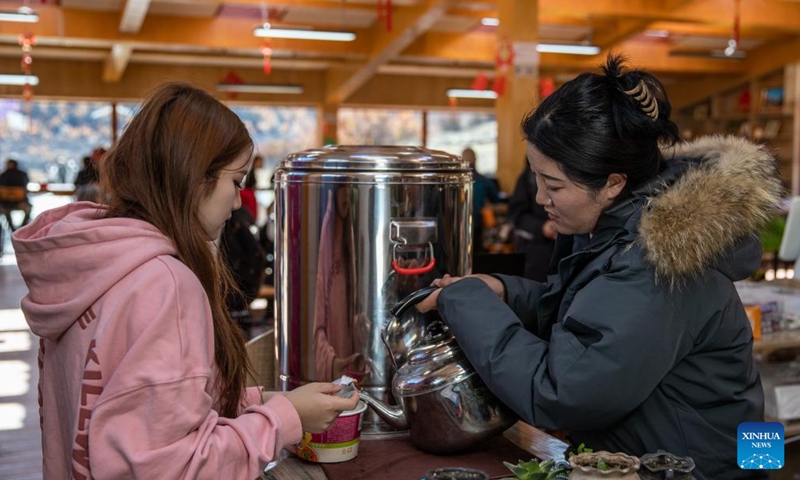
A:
[277,132]
[125,113]
[453,131]
[367,126]
[49,138]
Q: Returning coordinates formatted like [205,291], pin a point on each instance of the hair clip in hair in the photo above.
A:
[647,101]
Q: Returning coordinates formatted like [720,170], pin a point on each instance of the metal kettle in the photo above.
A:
[441,400]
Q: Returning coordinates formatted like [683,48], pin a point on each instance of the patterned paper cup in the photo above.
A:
[337,444]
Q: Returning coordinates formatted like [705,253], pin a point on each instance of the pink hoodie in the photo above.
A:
[126,358]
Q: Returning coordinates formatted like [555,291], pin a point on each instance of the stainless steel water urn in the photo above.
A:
[357,229]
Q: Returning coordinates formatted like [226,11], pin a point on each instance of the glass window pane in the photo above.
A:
[277,131]
[453,131]
[370,126]
[49,138]
[125,112]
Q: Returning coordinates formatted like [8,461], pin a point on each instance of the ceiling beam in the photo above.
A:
[619,31]
[434,71]
[351,4]
[70,27]
[116,62]
[228,62]
[760,61]
[133,16]
[408,27]
[47,53]
[62,26]
[773,14]
[673,4]
[231,36]
[705,30]
[480,48]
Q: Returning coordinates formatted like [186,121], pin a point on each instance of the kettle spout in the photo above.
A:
[394,416]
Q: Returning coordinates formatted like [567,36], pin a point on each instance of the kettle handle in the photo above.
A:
[400,308]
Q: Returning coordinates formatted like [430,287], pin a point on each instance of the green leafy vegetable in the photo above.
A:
[535,470]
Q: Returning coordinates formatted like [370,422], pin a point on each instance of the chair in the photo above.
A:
[13,194]
[261,350]
[11,199]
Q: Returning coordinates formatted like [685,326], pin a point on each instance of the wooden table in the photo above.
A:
[769,342]
[538,443]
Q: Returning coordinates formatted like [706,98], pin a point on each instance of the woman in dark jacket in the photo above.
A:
[639,341]
[534,232]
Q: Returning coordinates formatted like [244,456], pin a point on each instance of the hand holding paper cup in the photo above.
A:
[340,442]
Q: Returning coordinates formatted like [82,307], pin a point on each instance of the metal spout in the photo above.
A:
[394,416]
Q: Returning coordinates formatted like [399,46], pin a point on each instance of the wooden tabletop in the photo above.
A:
[770,342]
[538,443]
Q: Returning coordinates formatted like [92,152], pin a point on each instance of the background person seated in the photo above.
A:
[87,182]
[246,260]
[534,232]
[14,194]
[484,191]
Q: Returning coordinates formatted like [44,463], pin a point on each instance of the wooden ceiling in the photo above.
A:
[428,38]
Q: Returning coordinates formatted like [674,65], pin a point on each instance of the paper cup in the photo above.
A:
[337,444]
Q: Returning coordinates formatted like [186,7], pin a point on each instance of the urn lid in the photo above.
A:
[435,364]
[374,158]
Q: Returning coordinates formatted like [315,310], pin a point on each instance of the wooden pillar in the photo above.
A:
[793,98]
[519,28]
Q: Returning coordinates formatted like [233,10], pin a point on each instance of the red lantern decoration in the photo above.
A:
[232,78]
[546,87]
[266,51]
[499,85]
[481,82]
[385,11]
[27,41]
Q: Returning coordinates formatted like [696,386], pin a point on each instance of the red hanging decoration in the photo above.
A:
[743,102]
[27,41]
[27,92]
[546,86]
[385,12]
[481,82]
[266,51]
[499,85]
[232,78]
[504,58]
[733,43]
[453,102]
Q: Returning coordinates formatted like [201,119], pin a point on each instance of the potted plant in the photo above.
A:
[604,465]
[665,465]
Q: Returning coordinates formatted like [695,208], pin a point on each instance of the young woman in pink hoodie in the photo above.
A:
[142,370]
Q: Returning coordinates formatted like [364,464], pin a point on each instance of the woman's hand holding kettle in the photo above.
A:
[430,302]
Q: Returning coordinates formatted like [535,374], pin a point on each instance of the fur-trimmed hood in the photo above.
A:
[728,190]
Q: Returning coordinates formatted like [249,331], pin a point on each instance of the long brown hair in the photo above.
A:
[166,162]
